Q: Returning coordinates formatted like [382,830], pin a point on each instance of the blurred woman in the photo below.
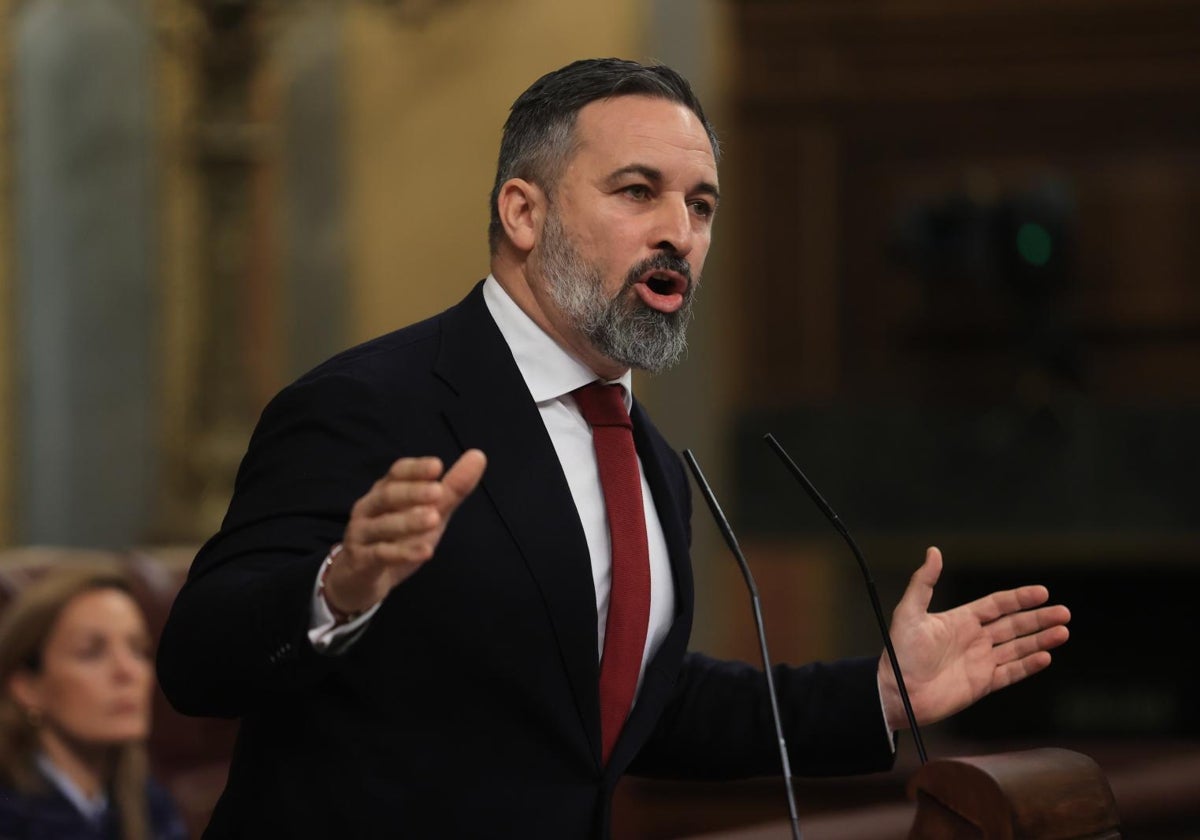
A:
[75,682]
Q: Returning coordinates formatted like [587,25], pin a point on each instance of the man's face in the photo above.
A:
[625,237]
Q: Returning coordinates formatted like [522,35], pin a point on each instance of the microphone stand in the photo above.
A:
[731,541]
[862,564]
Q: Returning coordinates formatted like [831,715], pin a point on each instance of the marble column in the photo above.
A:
[83,282]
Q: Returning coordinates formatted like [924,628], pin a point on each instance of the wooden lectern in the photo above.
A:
[1045,794]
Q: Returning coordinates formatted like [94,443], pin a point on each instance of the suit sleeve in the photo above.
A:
[237,633]
[718,722]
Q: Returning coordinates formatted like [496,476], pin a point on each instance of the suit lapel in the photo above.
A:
[492,410]
[671,500]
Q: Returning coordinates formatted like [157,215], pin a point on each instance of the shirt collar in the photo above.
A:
[91,808]
[549,370]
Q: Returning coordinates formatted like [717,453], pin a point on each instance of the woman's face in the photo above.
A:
[94,684]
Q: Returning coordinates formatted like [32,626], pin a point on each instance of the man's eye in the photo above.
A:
[638,191]
[703,208]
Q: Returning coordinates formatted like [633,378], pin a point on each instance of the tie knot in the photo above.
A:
[603,405]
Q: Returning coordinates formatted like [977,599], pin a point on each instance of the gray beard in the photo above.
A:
[621,328]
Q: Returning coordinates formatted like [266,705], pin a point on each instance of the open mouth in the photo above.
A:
[661,285]
[662,289]
[665,282]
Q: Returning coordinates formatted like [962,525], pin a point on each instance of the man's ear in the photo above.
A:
[522,207]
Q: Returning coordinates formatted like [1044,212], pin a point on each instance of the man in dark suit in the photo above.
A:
[427,652]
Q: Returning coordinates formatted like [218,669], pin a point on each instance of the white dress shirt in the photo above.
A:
[551,374]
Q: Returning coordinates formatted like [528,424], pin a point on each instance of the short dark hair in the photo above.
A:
[538,137]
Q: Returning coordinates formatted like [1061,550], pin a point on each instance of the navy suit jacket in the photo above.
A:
[49,815]
[469,706]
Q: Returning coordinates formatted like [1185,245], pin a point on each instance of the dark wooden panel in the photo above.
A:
[855,117]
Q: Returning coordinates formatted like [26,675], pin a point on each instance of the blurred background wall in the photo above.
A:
[969,232]
[956,272]
[204,199]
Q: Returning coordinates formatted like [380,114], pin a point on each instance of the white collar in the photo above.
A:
[549,370]
[93,809]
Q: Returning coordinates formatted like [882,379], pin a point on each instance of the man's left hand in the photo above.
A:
[953,658]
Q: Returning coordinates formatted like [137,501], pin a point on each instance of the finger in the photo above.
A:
[400,537]
[1013,672]
[461,479]
[400,495]
[1025,646]
[408,552]
[415,522]
[919,591]
[991,607]
[390,496]
[1027,622]
[415,469]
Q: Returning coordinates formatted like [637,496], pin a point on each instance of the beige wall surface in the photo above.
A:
[424,109]
[7,325]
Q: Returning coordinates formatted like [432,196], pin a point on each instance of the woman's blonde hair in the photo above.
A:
[24,630]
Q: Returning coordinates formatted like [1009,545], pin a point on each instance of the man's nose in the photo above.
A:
[673,230]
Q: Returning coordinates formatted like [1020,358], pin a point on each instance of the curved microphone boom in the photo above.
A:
[731,541]
[862,564]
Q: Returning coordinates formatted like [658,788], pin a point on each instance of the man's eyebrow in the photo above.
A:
[655,176]
[650,173]
[710,190]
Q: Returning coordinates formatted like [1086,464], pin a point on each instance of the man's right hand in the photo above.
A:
[395,528]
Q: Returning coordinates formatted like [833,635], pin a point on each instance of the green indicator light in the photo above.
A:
[1034,244]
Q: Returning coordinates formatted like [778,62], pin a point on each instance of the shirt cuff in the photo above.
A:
[326,635]
[891,733]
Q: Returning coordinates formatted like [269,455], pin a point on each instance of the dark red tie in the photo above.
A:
[603,406]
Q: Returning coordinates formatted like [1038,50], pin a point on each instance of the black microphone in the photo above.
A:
[731,540]
[862,564]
